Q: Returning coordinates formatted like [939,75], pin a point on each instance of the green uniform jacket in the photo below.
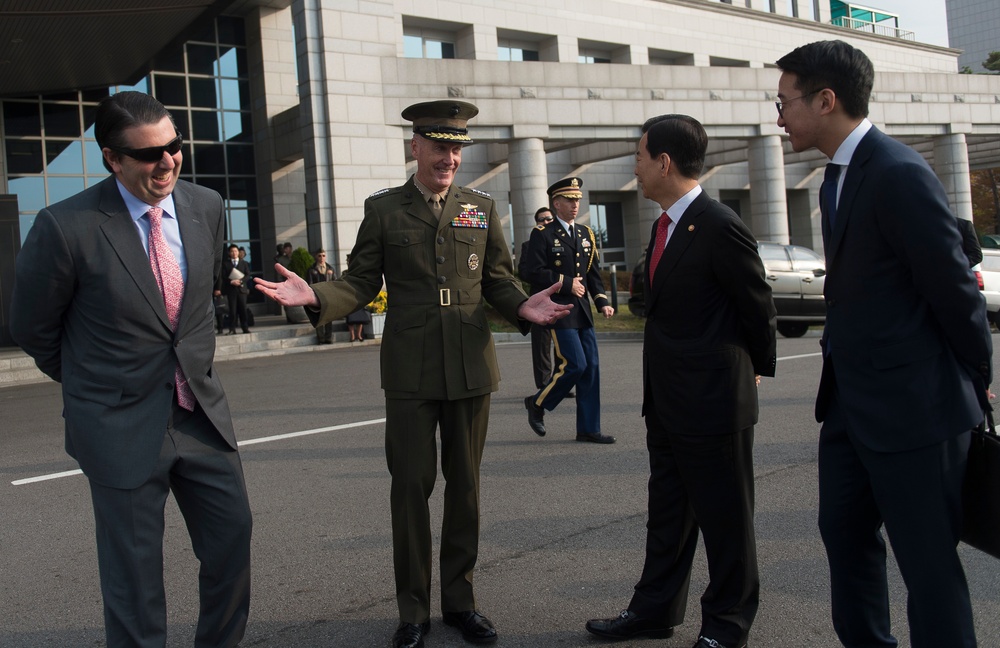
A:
[437,342]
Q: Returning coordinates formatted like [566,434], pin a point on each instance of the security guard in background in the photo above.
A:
[566,253]
[541,340]
[441,250]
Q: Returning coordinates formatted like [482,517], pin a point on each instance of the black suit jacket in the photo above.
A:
[906,341]
[87,308]
[226,269]
[710,324]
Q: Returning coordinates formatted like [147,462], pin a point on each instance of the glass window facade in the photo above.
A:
[50,151]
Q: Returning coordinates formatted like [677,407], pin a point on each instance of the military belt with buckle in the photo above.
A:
[444,297]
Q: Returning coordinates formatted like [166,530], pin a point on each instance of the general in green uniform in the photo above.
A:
[438,361]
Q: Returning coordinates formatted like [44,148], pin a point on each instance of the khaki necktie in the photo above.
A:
[435,204]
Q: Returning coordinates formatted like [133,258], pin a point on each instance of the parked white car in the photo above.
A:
[989,268]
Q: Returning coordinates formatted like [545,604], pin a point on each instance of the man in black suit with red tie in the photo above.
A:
[710,332]
[906,360]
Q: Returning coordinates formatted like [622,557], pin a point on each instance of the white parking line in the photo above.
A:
[290,435]
[804,355]
[276,437]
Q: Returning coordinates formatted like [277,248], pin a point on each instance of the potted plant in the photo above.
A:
[301,262]
[377,308]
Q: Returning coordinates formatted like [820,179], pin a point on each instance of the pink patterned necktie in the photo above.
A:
[661,242]
[171,283]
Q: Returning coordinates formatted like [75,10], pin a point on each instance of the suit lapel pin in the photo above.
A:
[690,228]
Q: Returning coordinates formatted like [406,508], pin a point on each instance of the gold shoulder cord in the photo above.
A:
[593,249]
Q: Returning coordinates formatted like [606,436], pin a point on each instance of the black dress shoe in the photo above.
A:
[410,635]
[627,625]
[536,416]
[474,626]
[595,438]
[705,642]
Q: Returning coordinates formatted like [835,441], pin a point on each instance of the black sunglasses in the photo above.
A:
[153,153]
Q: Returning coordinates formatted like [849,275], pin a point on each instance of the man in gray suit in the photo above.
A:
[113,299]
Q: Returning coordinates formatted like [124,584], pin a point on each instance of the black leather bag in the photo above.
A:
[981,491]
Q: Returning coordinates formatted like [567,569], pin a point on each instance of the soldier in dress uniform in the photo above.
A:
[566,253]
[442,251]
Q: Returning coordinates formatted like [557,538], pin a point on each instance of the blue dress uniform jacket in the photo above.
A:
[555,256]
[437,342]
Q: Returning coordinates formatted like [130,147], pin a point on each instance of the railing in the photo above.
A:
[874,28]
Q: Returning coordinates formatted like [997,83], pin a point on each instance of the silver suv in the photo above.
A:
[796,275]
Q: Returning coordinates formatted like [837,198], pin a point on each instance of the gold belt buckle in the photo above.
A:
[445,294]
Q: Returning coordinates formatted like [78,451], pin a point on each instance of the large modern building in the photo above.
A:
[974,28]
[291,108]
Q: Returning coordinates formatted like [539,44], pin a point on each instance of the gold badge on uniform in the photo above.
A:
[558,263]
[473,261]
[586,244]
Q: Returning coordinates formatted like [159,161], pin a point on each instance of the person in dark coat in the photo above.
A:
[710,333]
[541,339]
[321,271]
[907,360]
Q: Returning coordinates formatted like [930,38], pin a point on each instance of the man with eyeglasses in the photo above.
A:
[541,341]
[906,360]
[124,321]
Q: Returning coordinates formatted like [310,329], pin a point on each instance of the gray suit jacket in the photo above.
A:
[87,308]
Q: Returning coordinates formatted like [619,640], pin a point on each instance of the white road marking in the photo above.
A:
[290,435]
[276,437]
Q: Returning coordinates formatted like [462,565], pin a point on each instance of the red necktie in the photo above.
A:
[661,242]
[168,278]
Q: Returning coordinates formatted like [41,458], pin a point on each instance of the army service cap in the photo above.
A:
[567,188]
[442,121]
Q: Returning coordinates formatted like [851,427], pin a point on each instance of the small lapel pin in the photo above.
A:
[690,228]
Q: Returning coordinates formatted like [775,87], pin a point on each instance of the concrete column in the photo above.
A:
[280,182]
[768,204]
[528,174]
[350,145]
[951,164]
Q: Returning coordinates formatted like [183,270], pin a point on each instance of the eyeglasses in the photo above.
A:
[780,105]
[545,220]
[153,153]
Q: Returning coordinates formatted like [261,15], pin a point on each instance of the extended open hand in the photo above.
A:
[293,291]
[540,309]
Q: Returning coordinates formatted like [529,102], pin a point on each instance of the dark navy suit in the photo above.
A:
[907,351]
[556,256]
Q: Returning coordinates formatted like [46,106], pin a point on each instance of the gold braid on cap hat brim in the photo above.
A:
[447,136]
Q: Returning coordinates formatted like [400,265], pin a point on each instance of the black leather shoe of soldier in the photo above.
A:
[474,626]
[595,438]
[410,635]
[536,416]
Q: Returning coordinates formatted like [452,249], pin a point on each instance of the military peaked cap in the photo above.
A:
[567,188]
[442,121]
